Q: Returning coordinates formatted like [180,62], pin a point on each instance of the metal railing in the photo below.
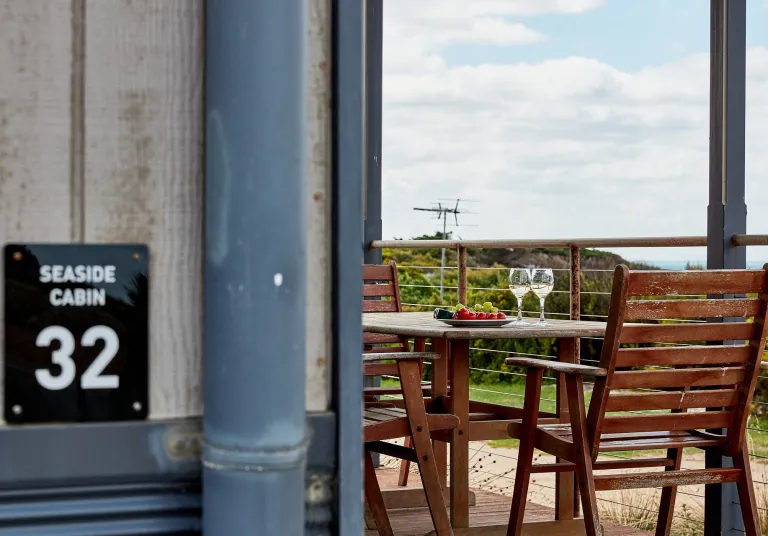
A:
[502,482]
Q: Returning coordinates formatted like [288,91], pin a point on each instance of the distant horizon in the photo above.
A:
[680,265]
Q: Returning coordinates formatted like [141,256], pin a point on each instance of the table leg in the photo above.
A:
[440,388]
[566,497]
[460,440]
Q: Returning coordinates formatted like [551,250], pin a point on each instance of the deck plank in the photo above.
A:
[490,509]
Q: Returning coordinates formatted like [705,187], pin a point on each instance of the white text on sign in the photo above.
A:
[78,297]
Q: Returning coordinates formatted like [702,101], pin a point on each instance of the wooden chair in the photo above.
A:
[381,294]
[383,421]
[644,397]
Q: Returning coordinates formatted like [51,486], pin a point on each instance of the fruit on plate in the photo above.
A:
[486,311]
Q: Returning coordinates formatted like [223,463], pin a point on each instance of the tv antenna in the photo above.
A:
[442,214]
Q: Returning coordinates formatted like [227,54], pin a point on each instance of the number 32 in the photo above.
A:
[92,377]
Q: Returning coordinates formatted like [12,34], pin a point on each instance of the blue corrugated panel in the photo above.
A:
[126,510]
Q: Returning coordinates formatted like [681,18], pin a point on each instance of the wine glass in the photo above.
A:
[520,285]
[542,282]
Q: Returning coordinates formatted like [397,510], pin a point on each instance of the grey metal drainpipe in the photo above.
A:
[254,455]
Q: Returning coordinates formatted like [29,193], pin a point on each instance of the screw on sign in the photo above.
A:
[76,333]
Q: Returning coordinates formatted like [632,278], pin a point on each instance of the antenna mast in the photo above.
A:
[442,213]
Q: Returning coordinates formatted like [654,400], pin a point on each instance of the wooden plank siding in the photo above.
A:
[143,171]
[36,200]
[102,140]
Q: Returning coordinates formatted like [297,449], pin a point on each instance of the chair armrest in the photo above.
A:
[556,366]
[401,356]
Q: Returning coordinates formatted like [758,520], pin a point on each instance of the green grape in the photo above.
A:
[495,310]
[478,307]
[460,306]
[487,307]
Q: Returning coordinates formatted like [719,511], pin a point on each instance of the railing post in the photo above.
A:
[462,254]
[576,294]
[576,287]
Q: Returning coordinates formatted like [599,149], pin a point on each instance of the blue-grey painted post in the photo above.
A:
[373,91]
[347,229]
[727,213]
[254,370]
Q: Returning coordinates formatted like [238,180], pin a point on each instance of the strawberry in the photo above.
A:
[481,316]
[472,316]
[456,315]
[492,316]
[501,316]
[463,314]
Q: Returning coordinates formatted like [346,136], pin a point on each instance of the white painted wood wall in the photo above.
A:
[101,140]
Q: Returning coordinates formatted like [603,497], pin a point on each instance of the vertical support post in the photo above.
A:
[462,254]
[575,284]
[442,259]
[373,91]
[347,228]
[372,228]
[255,174]
[575,288]
[727,212]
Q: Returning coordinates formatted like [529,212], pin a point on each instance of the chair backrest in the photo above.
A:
[651,386]
[381,294]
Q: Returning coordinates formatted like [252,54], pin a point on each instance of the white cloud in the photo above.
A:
[564,147]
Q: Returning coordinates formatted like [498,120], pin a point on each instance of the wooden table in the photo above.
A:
[483,421]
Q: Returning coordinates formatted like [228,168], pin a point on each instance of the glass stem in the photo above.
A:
[541,315]
[520,309]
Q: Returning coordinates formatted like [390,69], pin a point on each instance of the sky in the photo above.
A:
[561,119]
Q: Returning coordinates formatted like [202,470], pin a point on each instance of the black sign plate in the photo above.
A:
[76,333]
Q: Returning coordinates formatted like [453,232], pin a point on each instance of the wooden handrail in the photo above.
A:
[661,241]
[749,240]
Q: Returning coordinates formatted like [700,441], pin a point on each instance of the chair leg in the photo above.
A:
[525,452]
[410,379]
[419,345]
[374,498]
[668,496]
[583,455]
[747,493]
[405,465]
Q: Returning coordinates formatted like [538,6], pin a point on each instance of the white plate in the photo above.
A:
[477,323]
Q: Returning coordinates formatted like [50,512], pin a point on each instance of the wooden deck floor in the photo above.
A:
[490,509]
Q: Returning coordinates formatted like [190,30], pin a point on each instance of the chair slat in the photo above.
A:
[654,443]
[380,369]
[379,306]
[663,333]
[666,478]
[377,272]
[666,283]
[684,355]
[378,290]
[386,349]
[671,309]
[391,413]
[378,416]
[659,379]
[672,400]
[667,421]
[381,338]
